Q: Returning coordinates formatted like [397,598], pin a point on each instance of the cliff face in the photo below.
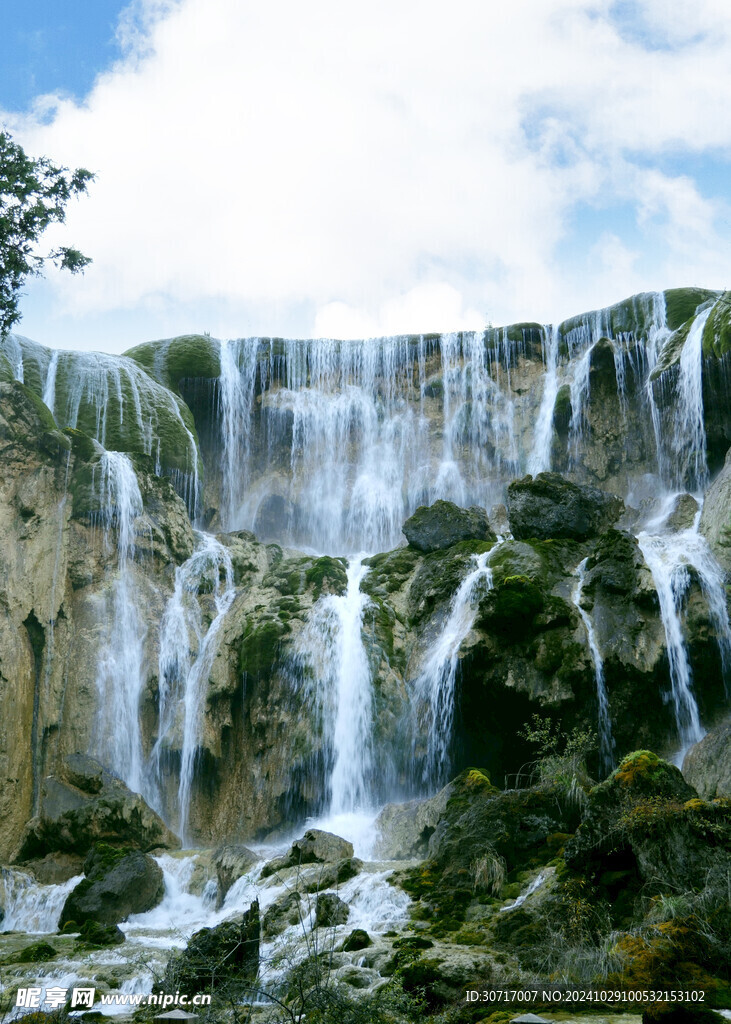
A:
[239,683]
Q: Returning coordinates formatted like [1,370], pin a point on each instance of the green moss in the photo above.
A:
[682,303]
[37,953]
[327,574]
[440,575]
[40,408]
[562,410]
[510,608]
[188,357]
[260,647]
[6,369]
[717,332]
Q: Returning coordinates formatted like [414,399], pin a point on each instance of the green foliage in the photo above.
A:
[561,755]
[33,195]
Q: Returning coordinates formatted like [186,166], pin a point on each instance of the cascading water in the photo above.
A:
[188,646]
[435,685]
[29,906]
[604,721]
[121,667]
[689,440]
[331,663]
[49,388]
[238,370]
[539,460]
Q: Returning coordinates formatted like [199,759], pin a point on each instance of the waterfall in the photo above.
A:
[665,558]
[606,740]
[689,437]
[29,906]
[331,663]
[49,388]
[188,646]
[435,685]
[121,667]
[540,456]
[238,370]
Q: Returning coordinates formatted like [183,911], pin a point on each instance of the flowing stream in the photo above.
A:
[604,720]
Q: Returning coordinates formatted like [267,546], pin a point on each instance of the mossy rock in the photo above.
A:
[261,646]
[717,332]
[36,953]
[188,357]
[327,575]
[97,935]
[681,304]
[443,524]
[388,571]
[562,411]
[358,939]
[439,577]
[509,609]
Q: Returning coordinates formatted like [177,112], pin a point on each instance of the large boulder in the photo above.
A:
[549,506]
[647,820]
[85,804]
[330,910]
[118,883]
[443,524]
[224,958]
[315,847]
[707,765]
[404,830]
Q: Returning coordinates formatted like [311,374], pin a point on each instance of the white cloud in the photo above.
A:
[353,166]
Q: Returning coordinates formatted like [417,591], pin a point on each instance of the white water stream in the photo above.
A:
[436,682]
[604,720]
[188,646]
[121,668]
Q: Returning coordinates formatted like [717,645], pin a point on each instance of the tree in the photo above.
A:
[33,194]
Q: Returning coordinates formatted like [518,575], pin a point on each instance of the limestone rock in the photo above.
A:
[443,524]
[330,910]
[647,815]
[715,522]
[118,883]
[549,506]
[72,819]
[285,911]
[315,847]
[224,958]
[707,765]
[231,862]
[684,511]
[405,829]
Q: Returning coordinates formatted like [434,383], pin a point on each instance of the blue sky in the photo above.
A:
[360,169]
[55,46]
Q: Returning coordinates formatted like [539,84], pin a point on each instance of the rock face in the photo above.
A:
[84,805]
[707,765]
[551,506]
[230,863]
[443,524]
[405,829]
[224,960]
[118,883]
[715,522]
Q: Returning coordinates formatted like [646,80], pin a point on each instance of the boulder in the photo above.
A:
[404,830]
[443,524]
[224,958]
[315,847]
[85,804]
[645,820]
[283,912]
[118,883]
[330,910]
[231,862]
[549,506]
[707,765]
[357,940]
[683,512]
